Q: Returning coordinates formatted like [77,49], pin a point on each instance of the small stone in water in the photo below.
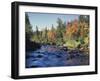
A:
[39,56]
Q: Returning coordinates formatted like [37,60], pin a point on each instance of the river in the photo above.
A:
[53,56]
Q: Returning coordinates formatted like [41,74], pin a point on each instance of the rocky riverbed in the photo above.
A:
[54,56]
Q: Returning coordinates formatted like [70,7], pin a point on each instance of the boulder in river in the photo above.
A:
[63,48]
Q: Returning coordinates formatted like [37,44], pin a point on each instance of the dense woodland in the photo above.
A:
[73,35]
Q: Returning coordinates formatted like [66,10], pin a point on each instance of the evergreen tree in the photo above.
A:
[28,27]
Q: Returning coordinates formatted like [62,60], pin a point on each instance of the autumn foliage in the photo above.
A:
[51,36]
[73,34]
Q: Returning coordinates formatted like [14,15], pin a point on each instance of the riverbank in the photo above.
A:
[32,46]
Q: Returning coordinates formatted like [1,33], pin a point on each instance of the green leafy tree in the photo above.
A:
[60,31]
[44,35]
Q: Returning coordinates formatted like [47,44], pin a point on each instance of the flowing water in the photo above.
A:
[53,56]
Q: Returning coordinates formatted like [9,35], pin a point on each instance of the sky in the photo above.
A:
[43,20]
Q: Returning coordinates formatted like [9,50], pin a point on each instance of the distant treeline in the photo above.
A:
[74,34]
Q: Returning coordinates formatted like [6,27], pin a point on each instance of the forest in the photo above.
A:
[72,35]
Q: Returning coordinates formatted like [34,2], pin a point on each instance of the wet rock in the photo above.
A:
[63,48]
[34,59]
[58,56]
[34,66]
[39,56]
